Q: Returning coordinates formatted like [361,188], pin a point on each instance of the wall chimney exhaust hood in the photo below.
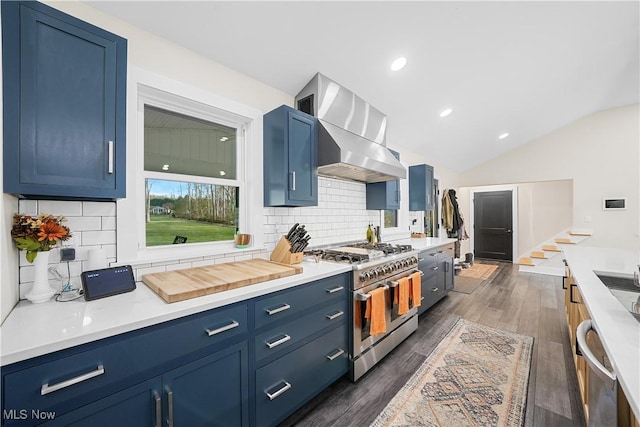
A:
[351,134]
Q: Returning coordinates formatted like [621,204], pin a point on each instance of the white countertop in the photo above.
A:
[32,330]
[430,242]
[618,330]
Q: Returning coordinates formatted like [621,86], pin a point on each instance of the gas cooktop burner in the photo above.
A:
[359,253]
[387,248]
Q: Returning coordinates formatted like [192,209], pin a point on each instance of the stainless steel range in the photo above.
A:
[375,266]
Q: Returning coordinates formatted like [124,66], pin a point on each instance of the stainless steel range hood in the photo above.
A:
[351,136]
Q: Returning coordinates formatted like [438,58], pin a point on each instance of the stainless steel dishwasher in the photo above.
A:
[603,385]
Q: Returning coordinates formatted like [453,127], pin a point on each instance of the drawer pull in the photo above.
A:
[276,343]
[434,268]
[212,332]
[46,388]
[283,307]
[281,390]
[434,289]
[158,400]
[335,315]
[335,355]
[169,406]
[336,289]
[421,298]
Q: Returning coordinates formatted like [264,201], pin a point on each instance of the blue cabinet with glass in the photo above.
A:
[421,189]
[384,195]
[290,152]
[65,80]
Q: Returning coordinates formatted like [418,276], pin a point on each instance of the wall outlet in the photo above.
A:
[67,254]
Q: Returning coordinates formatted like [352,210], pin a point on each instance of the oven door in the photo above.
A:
[362,338]
[397,319]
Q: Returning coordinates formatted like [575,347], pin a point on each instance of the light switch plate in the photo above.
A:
[67,254]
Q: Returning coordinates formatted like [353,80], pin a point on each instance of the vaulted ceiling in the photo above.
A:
[522,68]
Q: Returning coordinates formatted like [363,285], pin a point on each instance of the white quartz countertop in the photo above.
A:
[618,330]
[32,330]
[430,242]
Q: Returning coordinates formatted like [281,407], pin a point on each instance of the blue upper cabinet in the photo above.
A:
[384,195]
[290,158]
[64,102]
[421,190]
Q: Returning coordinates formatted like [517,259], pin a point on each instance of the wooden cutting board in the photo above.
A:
[179,285]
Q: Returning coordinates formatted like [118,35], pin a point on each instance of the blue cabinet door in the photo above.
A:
[290,151]
[140,405]
[64,136]
[384,195]
[421,190]
[212,391]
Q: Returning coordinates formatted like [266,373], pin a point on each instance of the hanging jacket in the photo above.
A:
[447,211]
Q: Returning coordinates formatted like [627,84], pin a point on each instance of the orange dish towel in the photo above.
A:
[376,312]
[403,296]
[416,288]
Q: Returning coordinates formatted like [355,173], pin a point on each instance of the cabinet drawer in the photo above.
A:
[298,301]
[287,383]
[432,291]
[65,382]
[284,336]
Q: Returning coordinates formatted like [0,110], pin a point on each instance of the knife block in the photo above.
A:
[282,253]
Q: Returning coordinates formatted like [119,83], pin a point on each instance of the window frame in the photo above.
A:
[147,88]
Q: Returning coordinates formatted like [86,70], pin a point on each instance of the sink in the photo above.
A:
[624,289]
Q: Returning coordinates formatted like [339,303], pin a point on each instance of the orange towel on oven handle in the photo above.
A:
[403,296]
[416,288]
[376,312]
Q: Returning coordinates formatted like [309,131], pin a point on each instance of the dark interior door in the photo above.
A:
[493,232]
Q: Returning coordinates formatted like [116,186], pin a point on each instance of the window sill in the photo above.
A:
[196,254]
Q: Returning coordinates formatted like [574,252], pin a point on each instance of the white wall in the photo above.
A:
[541,210]
[600,153]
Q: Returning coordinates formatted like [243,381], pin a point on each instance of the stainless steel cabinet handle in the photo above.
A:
[594,363]
[293,181]
[46,388]
[283,307]
[420,259]
[434,254]
[434,268]
[169,406]
[156,397]
[281,390]
[434,289]
[336,289]
[335,315]
[335,355]
[421,298]
[224,328]
[276,343]
[446,267]
[110,157]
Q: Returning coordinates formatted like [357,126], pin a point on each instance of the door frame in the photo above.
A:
[514,214]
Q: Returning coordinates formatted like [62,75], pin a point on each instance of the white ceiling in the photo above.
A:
[525,68]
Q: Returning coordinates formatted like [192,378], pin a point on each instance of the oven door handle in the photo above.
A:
[395,283]
[359,296]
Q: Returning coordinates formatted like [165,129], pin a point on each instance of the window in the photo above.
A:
[191,170]
[390,219]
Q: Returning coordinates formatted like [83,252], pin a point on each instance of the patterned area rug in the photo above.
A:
[479,271]
[476,376]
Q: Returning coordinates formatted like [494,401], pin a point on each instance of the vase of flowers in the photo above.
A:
[38,235]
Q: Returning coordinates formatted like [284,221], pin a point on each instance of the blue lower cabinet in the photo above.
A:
[210,392]
[140,405]
[287,383]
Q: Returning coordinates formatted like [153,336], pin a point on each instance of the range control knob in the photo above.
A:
[363,277]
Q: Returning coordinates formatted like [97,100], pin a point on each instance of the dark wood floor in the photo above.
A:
[527,304]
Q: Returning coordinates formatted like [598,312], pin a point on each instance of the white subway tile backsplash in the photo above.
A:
[84,223]
[56,207]
[98,237]
[108,223]
[99,208]
[29,207]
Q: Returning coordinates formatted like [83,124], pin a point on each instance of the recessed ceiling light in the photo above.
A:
[446,112]
[503,135]
[165,167]
[398,64]
[222,173]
